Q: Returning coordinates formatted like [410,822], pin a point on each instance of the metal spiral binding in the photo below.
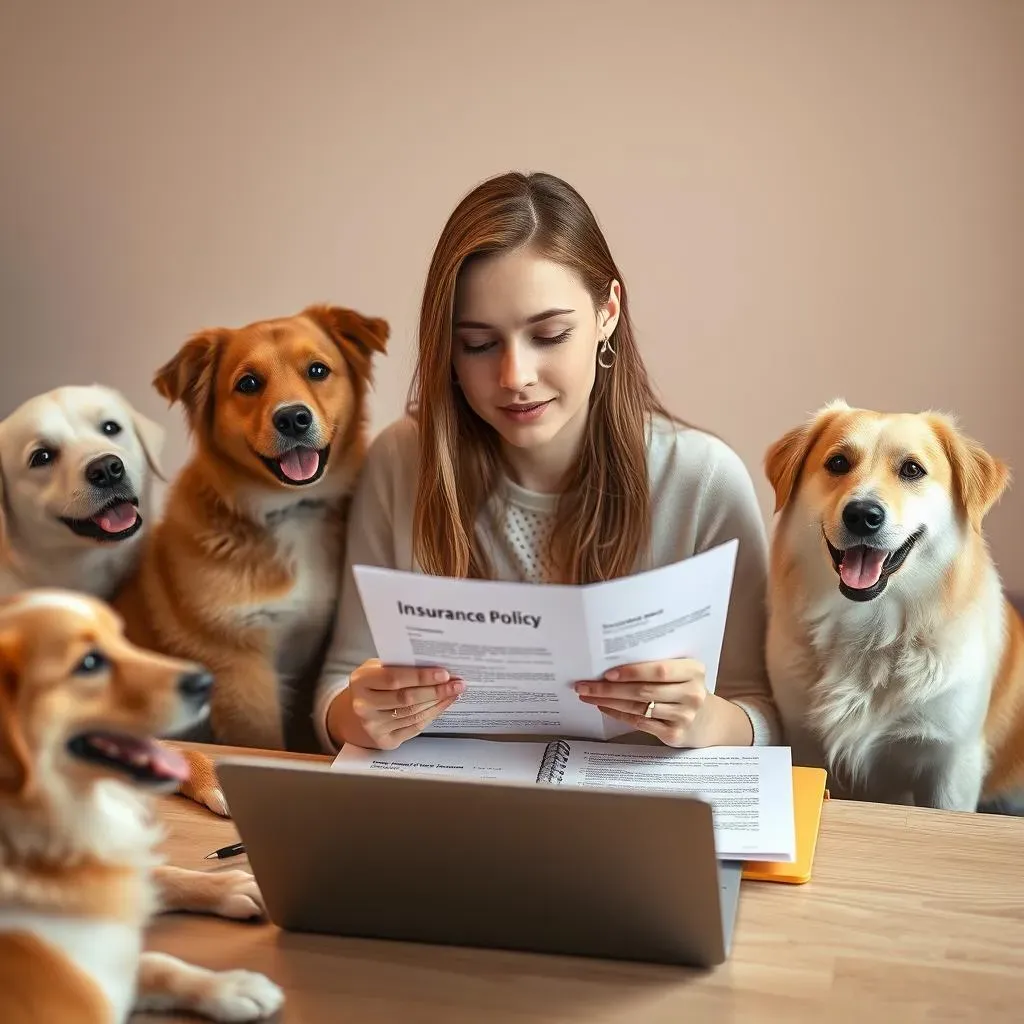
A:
[552,766]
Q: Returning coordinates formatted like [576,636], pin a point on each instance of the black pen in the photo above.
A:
[226,851]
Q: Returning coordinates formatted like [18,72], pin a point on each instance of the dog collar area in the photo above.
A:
[303,505]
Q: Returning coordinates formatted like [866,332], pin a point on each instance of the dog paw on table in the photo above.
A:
[239,995]
[168,984]
[233,894]
[202,786]
[240,896]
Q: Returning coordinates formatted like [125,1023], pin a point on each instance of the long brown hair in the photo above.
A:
[603,518]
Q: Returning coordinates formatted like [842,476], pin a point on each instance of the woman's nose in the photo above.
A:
[517,368]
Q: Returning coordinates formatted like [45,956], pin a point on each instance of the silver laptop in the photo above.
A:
[615,874]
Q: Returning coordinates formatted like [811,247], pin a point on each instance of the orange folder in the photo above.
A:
[809,795]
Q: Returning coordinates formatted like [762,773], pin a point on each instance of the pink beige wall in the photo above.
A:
[808,199]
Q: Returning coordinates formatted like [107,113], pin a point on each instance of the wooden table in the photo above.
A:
[911,915]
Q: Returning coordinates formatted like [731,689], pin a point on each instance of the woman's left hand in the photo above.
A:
[665,698]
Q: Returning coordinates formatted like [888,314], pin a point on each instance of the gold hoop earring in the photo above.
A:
[605,355]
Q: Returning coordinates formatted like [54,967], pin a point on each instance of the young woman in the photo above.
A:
[535,449]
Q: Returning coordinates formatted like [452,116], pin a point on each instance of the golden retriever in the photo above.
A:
[79,871]
[895,658]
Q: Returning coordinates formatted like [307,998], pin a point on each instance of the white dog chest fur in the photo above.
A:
[107,952]
[890,684]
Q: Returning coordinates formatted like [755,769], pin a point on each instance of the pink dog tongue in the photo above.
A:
[169,763]
[143,753]
[861,567]
[300,463]
[116,519]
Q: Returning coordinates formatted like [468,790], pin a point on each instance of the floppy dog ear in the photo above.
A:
[356,335]
[151,436]
[190,375]
[785,458]
[15,758]
[979,479]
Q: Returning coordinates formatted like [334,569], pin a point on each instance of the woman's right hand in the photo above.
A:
[390,704]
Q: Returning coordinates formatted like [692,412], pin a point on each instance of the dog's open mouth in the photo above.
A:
[864,571]
[300,466]
[142,759]
[118,520]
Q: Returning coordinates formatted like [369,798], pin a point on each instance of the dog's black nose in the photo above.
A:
[293,421]
[864,518]
[196,685]
[106,471]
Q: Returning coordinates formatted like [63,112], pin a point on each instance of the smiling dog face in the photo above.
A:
[75,464]
[880,497]
[78,702]
[273,402]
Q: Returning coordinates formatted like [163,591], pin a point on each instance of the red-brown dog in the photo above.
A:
[242,573]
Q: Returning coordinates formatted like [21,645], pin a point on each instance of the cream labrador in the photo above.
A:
[76,469]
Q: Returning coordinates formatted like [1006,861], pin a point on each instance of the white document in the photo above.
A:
[750,789]
[468,758]
[520,647]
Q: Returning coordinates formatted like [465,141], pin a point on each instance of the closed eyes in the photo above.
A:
[543,340]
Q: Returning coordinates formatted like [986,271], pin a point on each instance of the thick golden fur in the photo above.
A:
[242,572]
[1004,726]
[916,693]
[79,872]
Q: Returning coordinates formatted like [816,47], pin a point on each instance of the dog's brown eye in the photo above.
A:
[111,428]
[318,371]
[911,470]
[248,384]
[838,465]
[41,457]
[92,663]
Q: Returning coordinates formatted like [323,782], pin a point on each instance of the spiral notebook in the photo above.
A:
[750,789]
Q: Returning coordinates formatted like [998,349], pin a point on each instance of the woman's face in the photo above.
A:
[524,349]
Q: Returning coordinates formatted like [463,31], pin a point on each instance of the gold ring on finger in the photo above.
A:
[649,713]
